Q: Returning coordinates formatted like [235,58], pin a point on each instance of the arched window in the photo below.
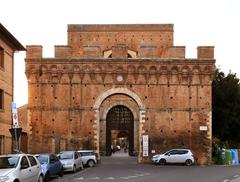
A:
[132,54]
[107,54]
[1,57]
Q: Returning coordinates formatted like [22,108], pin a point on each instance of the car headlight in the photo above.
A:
[4,178]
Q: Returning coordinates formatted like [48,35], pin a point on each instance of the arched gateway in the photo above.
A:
[119,129]
[119,114]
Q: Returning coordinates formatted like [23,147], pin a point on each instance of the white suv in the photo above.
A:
[20,167]
[174,156]
[88,157]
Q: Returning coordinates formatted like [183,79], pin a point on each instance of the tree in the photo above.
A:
[226,108]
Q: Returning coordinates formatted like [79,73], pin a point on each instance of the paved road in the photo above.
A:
[119,169]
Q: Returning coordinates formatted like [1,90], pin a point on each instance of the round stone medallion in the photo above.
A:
[119,78]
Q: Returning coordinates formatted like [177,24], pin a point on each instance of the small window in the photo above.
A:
[32,160]
[24,162]
[75,155]
[1,57]
[1,99]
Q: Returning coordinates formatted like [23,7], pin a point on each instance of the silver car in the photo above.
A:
[71,160]
[88,157]
[174,156]
[20,167]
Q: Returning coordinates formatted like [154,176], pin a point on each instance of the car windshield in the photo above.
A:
[66,155]
[43,159]
[8,162]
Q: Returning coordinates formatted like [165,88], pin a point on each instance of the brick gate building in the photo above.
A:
[112,84]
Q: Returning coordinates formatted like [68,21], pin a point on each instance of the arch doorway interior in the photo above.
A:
[120,129]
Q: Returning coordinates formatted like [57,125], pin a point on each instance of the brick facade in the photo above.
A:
[8,45]
[136,66]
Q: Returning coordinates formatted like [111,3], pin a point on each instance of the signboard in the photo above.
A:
[203,128]
[145,145]
[14,115]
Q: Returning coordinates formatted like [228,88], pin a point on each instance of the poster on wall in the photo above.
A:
[145,145]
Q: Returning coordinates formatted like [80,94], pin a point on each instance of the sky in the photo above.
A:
[196,23]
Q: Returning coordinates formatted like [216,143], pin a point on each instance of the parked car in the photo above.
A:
[20,167]
[174,156]
[51,165]
[88,157]
[71,160]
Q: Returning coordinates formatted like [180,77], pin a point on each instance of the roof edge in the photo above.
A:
[11,40]
[119,27]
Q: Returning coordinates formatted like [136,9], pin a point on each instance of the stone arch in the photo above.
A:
[119,69]
[174,70]
[97,68]
[43,69]
[152,69]
[121,90]
[185,69]
[65,68]
[104,116]
[31,74]
[76,68]
[141,69]
[196,70]
[31,69]
[207,69]
[163,69]
[174,75]
[109,103]
[141,114]
[86,68]
[131,68]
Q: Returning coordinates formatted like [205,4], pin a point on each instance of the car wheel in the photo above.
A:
[40,179]
[162,161]
[47,177]
[61,173]
[90,163]
[188,162]
[74,169]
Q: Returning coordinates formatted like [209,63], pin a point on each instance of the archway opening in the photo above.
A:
[120,130]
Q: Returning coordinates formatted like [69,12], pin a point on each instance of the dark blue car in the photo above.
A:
[51,165]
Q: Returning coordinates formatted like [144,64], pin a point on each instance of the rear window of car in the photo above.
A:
[43,159]
[66,155]
[32,160]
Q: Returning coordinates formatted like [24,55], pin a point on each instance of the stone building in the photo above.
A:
[114,85]
[8,45]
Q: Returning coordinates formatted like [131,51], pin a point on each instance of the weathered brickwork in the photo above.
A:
[8,45]
[136,66]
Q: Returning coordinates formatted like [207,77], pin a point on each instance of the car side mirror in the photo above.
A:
[169,154]
[25,166]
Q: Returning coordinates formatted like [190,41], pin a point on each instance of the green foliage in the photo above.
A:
[226,108]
